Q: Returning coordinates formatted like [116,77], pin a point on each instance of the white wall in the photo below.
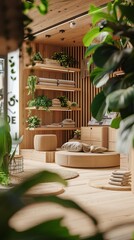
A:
[13,94]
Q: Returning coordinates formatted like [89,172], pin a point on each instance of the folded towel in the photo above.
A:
[119,183]
[121,177]
[97,149]
[121,173]
[119,180]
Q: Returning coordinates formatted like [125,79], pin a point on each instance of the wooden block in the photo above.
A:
[96,135]
[31,154]
[49,157]
[112,134]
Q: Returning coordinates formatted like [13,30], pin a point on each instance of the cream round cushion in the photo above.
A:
[87,160]
[45,142]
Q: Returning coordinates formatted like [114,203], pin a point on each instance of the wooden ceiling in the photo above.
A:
[54,27]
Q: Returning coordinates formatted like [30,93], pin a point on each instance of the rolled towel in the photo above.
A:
[96,149]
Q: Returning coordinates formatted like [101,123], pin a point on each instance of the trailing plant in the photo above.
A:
[64,59]
[31,82]
[114,52]
[33,121]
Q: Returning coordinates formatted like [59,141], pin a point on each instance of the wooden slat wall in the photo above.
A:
[83,97]
[88,91]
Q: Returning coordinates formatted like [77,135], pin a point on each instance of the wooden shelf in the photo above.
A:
[54,109]
[40,66]
[52,129]
[55,88]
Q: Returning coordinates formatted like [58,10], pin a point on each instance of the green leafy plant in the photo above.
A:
[43,101]
[6,153]
[114,53]
[37,57]
[77,133]
[64,59]
[31,82]
[33,121]
[15,199]
[63,100]
[74,104]
[42,7]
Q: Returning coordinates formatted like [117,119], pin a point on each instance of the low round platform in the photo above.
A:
[87,160]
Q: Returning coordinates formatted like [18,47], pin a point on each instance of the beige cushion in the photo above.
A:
[72,146]
[86,147]
[45,142]
[97,149]
[87,160]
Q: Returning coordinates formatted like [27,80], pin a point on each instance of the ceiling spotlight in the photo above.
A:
[61,31]
[48,36]
[72,24]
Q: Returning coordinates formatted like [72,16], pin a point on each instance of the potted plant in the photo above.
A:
[33,122]
[63,100]
[64,59]
[37,58]
[43,101]
[114,52]
[77,134]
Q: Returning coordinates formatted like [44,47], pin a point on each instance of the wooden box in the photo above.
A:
[96,135]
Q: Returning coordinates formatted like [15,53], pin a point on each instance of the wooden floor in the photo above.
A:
[110,207]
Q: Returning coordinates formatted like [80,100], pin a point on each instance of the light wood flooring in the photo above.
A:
[110,207]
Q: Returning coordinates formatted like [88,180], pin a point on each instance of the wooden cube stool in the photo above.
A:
[45,142]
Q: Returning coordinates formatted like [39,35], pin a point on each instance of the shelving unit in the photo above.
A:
[41,66]
[53,114]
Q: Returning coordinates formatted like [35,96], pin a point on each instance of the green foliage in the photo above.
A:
[63,100]
[33,121]
[6,153]
[115,51]
[43,101]
[13,200]
[5,149]
[42,7]
[31,82]
[37,57]
[64,59]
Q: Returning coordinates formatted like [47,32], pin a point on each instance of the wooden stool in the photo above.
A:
[45,142]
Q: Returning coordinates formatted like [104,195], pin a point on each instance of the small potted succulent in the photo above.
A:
[77,134]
